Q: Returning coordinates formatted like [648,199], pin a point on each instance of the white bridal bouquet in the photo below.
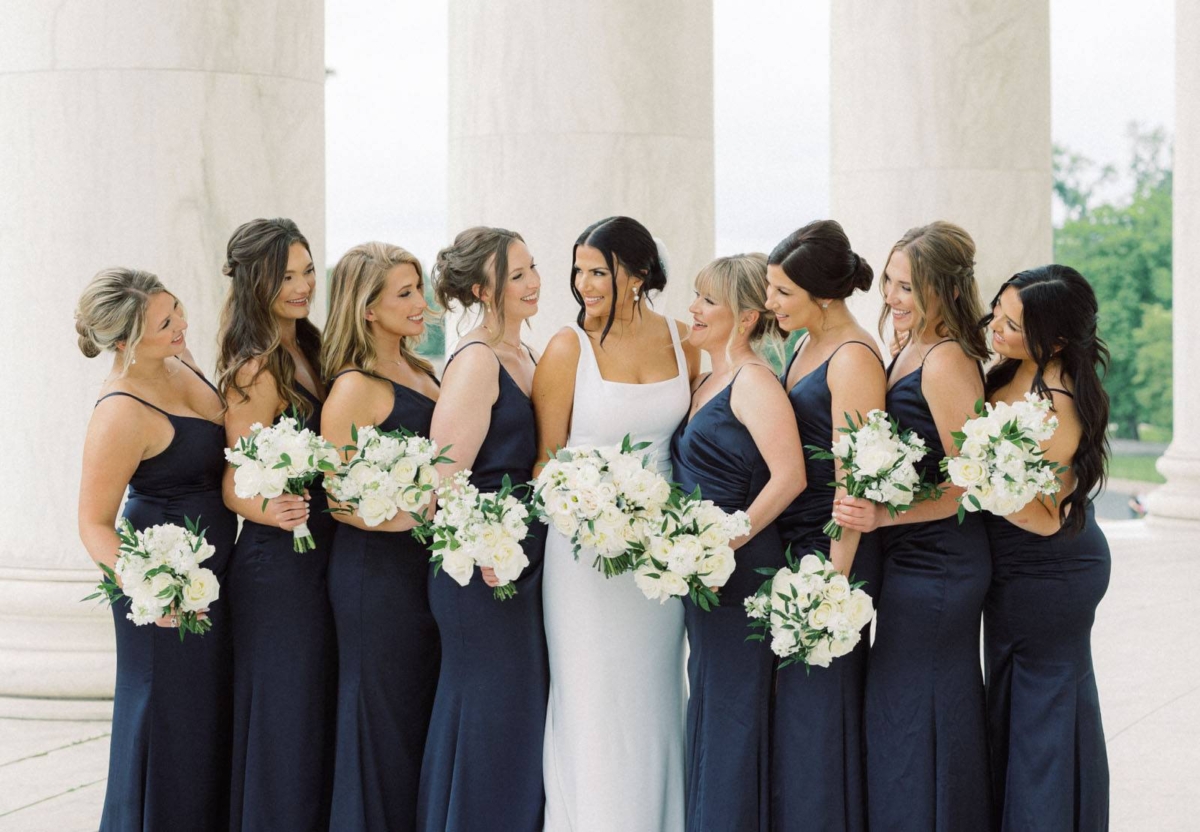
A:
[604,499]
[160,574]
[879,463]
[813,612]
[472,529]
[279,459]
[1000,461]
[391,471]
[688,552]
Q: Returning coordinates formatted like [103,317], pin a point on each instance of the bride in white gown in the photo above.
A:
[614,746]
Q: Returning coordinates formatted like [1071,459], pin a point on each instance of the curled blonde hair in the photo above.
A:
[740,282]
[357,282]
[112,309]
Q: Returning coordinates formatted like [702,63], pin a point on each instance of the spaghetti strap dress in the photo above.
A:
[387,645]
[818,729]
[1049,763]
[927,755]
[284,673]
[168,764]
[483,759]
[729,678]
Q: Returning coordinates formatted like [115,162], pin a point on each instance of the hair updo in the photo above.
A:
[622,241]
[478,257]
[818,259]
[112,309]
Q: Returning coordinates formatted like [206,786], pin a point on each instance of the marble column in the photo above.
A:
[1179,498]
[563,113]
[940,110]
[135,134]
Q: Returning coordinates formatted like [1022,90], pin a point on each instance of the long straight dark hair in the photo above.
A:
[256,261]
[1059,324]
[625,241]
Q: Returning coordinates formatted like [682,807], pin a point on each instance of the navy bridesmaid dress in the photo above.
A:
[168,764]
[387,659]
[818,757]
[1049,764]
[483,759]
[927,755]
[284,668]
[729,678]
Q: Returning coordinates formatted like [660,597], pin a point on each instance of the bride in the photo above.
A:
[614,744]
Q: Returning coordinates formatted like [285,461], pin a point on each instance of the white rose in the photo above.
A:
[820,654]
[871,461]
[966,472]
[717,567]
[248,480]
[673,584]
[375,509]
[859,609]
[841,646]
[820,615]
[842,447]
[458,565]
[645,580]
[685,556]
[143,611]
[404,470]
[837,589]
[508,560]
[811,565]
[200,590]
[274,480]
[413,499]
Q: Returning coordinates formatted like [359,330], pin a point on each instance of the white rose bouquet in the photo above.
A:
[472,529]
[879,463]
[688,552]
[1000,462]
[279,459]
[160,574]
[391,471]
[814,614]
[604,499]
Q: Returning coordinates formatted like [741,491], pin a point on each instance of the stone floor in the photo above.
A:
[1147,663]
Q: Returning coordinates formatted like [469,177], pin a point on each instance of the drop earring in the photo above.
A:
[637,294]
[741,330]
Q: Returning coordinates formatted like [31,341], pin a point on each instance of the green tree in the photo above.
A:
[1123,247]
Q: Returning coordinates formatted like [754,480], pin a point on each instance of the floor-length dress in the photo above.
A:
[818,764]
[729,678]
[483,758]
[387,649]
[927,756]
[285,672]
[1049,763]
[614,746]
[168,764]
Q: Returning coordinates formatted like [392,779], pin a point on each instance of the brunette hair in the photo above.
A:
[477,257]
[626,242]
[819,260]
[1058,321]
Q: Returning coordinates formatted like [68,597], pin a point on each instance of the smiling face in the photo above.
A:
[524,284]
[163,335]
[594,282]
[1008,334]
[298,286]
[794,307]
[901,297]
[712,321]
[400,308]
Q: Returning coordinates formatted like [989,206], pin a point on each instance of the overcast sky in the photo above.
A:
[1112,63]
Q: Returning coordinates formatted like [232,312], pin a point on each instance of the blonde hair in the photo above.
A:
[357,282]
[464,264]
[112,309]
[941,258]
[740,282]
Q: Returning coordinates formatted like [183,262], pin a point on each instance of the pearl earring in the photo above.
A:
[825,305]
[637,292]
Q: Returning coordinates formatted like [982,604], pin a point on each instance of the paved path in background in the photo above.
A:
[1145,644]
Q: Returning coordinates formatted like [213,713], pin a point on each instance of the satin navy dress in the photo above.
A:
[387,659]
[1049,764]
[168,764]
[927,755]
[483,759]
[729,678]
[284,673]
[818,757]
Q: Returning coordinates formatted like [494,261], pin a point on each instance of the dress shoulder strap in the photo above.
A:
[587,365]
[135,398]
[1066,393]
[680,361]
[462,347]
[863,343]
[934,347]
[366,373]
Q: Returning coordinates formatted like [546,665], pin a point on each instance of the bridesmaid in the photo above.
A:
[483,760]
[157,428]
[739,444]
[269,363]
[817,736]
[387,640]
[1050,566]
[924,712]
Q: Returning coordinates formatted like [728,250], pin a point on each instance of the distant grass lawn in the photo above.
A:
[1139,468]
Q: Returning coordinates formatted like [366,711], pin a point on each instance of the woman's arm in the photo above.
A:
[261,404]
[758,401]
[857,384]
[554,394]
[1043,515]
[115,444]
[470,387]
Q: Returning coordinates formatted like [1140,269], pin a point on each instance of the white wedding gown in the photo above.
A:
[615,726]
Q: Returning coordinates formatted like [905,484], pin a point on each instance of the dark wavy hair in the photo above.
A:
[256,261]
[1059,324]
[819,260]
[625,241]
